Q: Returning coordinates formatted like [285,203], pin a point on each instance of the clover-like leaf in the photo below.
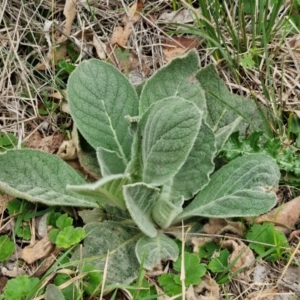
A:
[69,236]
[7,247]
[194,271]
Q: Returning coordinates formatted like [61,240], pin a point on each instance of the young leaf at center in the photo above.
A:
[168,130]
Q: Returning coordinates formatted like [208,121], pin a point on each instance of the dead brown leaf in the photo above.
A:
[4,199]
[3,281]
[208,289]
[100,47]
[46,263]
[48,144]
[267,294]
[41,249]
[241,255]
[178,46]
[216,227]
[285,216]
[67,150]
[69,13]
[55,53]
[134,11]
[179,16]
[120,34]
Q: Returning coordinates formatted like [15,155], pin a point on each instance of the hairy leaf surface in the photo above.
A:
[106,190]
[168,131]
[40,177]
[164,212]
[152,251]
[114,243]
[99,98]
[139,199]
[110,162]
[194,174]
[177,78]
[241,188]
[224,107]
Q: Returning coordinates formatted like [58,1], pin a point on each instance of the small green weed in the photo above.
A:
[7,247]
[7,141]
[64,235]
[267,241]
[19,287]
[287,157]
[193,269]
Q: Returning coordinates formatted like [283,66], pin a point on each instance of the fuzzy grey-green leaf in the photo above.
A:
[177,78]
[99,98]
[106,190]
[168,131]
[243,187]
[194,174]
[224,107]
[39,177]
[151,251]
[140,198]
[114,243]
[110,162]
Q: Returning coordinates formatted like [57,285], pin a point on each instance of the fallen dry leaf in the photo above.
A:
[179,16]
[48,144]
[46,263]
[222,226]
[177,46]
[120,34]
[4,199]
[267,294]
[67,150]
[100,47]
[216,227]
[133,13]
[284,216]
[3,281]
[39,250]
[240,253]
[69,13]
[208,289]
[56,54]
[16,271]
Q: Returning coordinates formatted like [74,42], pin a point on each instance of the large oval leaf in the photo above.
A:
[194,174]
[39,177]
[114,244]
[168,131]
[241,188]
[100,97]
[177,78]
